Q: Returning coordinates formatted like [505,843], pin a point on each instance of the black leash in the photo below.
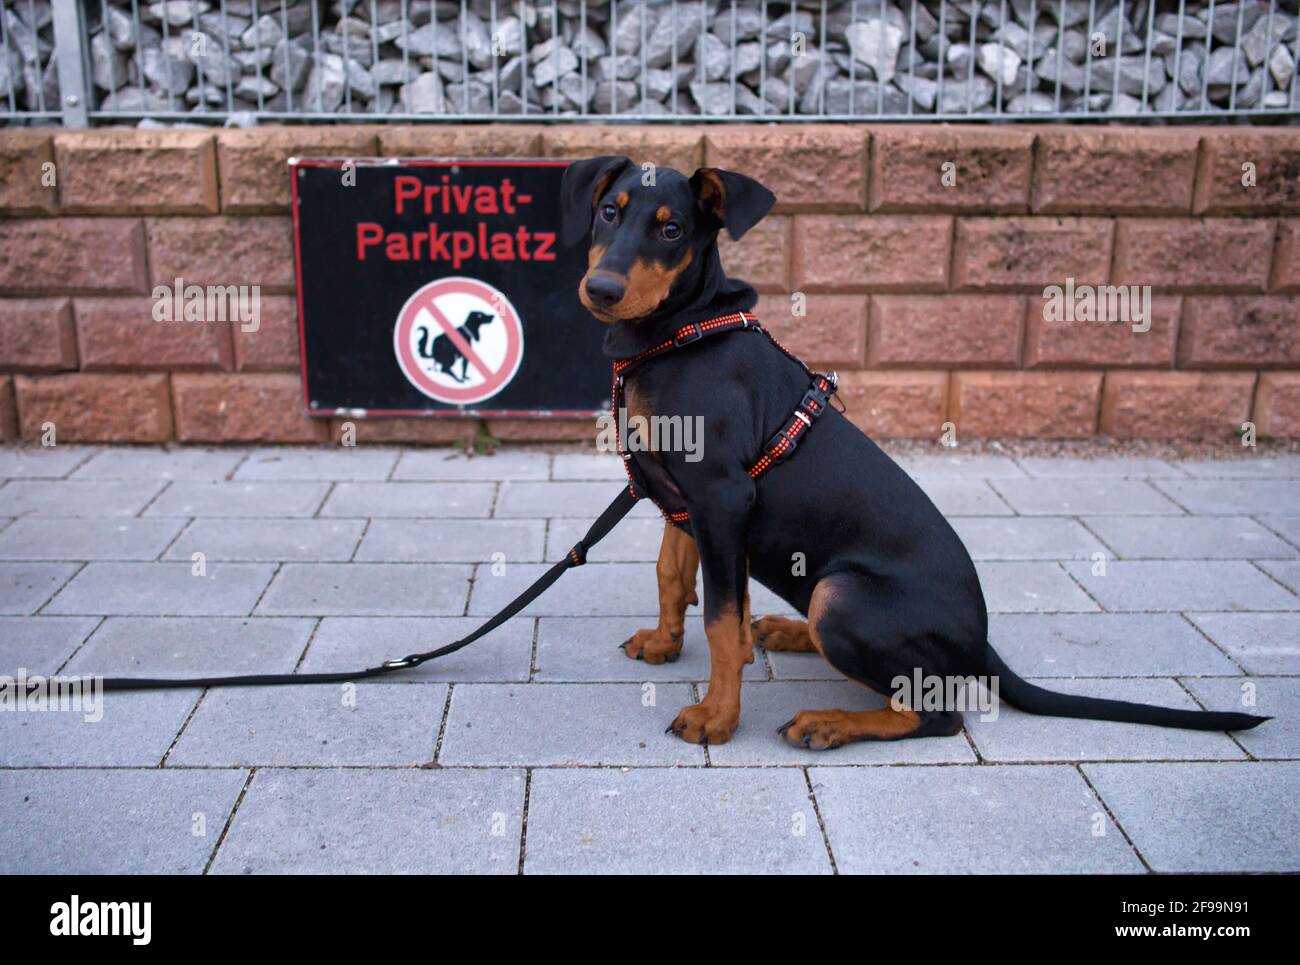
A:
[576,557]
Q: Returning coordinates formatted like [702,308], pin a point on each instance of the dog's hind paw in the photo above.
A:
[653,646]
[781,634]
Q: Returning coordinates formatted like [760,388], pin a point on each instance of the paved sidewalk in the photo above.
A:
[542,748]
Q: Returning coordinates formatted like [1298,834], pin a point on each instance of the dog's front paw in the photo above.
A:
[653,646]
[704,723]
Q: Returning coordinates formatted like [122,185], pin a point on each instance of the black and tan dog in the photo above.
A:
[888,588]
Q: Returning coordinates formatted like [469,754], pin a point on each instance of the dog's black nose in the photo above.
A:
[604,290]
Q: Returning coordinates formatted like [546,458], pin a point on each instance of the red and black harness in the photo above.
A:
[777,449]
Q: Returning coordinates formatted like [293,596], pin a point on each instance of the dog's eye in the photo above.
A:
[671,231]
[608,213]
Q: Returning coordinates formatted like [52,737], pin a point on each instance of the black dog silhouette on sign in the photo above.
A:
[444,352]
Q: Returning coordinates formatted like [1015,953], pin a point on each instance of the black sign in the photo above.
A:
[440,286]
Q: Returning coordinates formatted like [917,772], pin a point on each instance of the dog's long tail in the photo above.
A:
[1021,694]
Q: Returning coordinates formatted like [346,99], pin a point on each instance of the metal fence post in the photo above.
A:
[70,51]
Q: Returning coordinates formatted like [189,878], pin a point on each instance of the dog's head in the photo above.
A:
[650,228]
[476,321]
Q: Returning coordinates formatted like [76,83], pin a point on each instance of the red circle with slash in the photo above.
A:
[458,340]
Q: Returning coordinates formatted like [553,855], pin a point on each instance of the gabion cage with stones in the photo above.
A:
[177,60]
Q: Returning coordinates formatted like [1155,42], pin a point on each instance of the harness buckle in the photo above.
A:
[692,334]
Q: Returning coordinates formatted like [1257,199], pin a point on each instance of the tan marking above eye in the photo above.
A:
[663,214]
[622,199]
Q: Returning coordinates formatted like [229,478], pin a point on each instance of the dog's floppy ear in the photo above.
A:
[583,183]
[737,201]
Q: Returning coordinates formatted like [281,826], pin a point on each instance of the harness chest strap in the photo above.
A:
[780,446]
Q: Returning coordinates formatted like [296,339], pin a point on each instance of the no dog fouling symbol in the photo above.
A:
[458,340]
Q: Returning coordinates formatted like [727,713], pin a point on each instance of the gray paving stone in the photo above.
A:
[308,540]
[966,820]
[341,462]
[1288,527]
[346,643]
[1234,497]
[1104,644]
[129,729]
[41,462]
[800,666]
[47,538]
[141,822]
[24,587]
[228,499]
[326,725]
[1276,697]
[580,500]
[1033,587]
[1285,572]
[673,821]
[1183,585]
[367,589]
[633,541]
[597,589]
[541,725]
[963,497]
[453,540]
[1263,643]
[1016,736]
[586,649]
[189,463]
[163,589]
[766,706]
[362,821]
[1249,467]
[40,645]
[1025,538]
[585,466]
[1189,537]
[1085,497]
[22,497]
[1244,815]
[192,646]
[1123,467]
[453,465]
[411,499]
[960,466]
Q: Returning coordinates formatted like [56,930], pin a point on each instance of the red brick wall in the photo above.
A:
[927,298]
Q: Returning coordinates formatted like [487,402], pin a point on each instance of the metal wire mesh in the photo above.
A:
[645,60]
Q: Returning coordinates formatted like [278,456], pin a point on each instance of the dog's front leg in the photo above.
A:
[678,562]
[720,533]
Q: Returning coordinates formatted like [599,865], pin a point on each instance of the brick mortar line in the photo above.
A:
[523,819]
[1214,643]
[80,645]
[63,585]
[1287,589]
[441,735]
[1078,769]
[306,648]
[623,768]
[152,500]
[1262,520]
[821,821]
[230,819]
[186,526]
